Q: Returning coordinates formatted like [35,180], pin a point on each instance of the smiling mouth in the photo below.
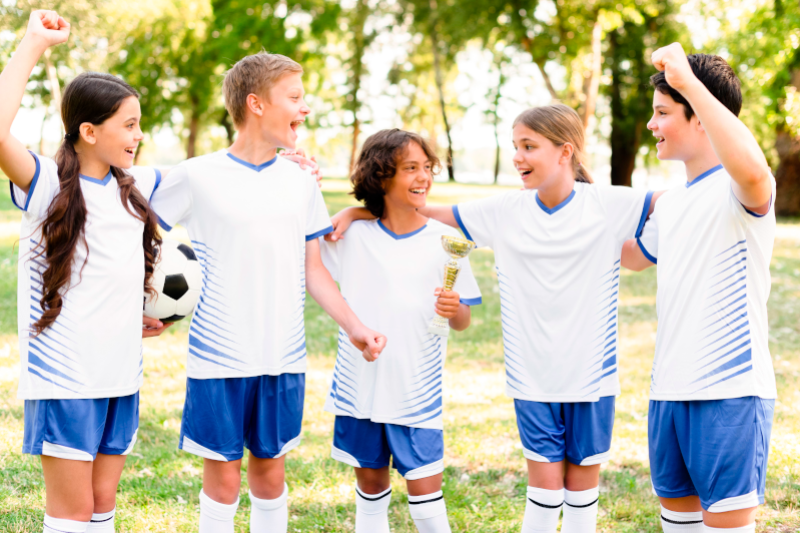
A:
[418,191]
[660,140]
[525,173]
[295,123]
[131,151]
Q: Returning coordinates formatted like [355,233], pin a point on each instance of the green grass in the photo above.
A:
[485,477]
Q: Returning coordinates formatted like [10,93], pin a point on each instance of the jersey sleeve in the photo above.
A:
[627,210]
[329,251]
[318,222]
[43,189]
[478,219]
[171,198]
[648,238]
[466,285]
[147,180]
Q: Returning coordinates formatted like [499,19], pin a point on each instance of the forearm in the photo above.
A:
[14,79]
[461,321]
[734,145]
[633,258]
[323,289]
[442,213]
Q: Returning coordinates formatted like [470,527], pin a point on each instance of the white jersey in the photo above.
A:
[94,348]
[249,225]
[558,271]
[713,284]
[388,280]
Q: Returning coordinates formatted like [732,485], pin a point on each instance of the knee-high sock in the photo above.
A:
[270,516]
[372,511]
[580,511]
[216,517]
[62,525]
[542,508]
[429,513]
[102,522]
[675,522]
[744,529]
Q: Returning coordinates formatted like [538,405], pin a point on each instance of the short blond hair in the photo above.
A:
[255,74]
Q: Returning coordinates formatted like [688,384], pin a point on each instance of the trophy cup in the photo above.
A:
[457,248]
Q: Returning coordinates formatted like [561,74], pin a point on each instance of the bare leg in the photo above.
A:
[222,480]
[548,476]
[688,504]
[426,485]
[266,477]
[106,472]
[68,486]
[742,517]
[580,478]
[374,480]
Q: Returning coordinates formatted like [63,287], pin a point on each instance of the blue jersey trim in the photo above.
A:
[756,214]
[251,166]
[648,200]
[397,237]
[556,208]
[704,175]
[645,252]
[471,301]
[158,182]
[163,224]
[319,234]
[30,189]
[461,223]
[102,182]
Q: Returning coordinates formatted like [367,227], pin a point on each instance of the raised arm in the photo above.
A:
[342,220]
[734,145]
[45,29]
[323,289]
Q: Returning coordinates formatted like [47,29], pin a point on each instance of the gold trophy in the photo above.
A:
[457,248]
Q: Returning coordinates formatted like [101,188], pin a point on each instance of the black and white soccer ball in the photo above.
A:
[177,280]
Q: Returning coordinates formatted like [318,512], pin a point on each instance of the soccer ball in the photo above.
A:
[177,280]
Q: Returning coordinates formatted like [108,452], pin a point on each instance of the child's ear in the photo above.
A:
[566,152]
[255,104]
[87,133]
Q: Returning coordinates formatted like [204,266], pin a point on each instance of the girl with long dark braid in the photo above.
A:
[87,250]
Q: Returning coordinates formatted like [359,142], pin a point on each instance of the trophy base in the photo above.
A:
[439,330]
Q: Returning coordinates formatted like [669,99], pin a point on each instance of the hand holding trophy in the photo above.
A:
[457,248]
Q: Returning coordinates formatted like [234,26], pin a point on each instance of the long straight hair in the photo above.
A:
[560,124]
[91,97]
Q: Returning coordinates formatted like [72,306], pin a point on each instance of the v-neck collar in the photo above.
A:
[550,211]
[102,182]
[397,237]
[251,166]
[704,175]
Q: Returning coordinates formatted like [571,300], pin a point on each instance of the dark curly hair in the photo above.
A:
[715,73]
[378,162]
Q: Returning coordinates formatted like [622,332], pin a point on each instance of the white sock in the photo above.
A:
[744,529]
[372,511]
[542,508]
[62,525]
[102,522]
[270,516]
[580,511]
[675,522]
[429,513]
[216,517]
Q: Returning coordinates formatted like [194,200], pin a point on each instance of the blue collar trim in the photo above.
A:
[102,182]
[397,237]
[705,174]
[556,208]
[251,166]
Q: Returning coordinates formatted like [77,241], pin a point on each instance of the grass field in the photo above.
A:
[485,477]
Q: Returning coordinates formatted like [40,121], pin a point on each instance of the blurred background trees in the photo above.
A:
[457,71]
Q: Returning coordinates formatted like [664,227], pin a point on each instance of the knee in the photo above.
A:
[372,486]
[267,484]
[223,487]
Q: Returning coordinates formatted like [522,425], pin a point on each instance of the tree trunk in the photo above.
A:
[55,88]
[625,137]
[592,84]
[225,122]
[41,133]
[359,42]
[194,127]
[437,67]
[787,176]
